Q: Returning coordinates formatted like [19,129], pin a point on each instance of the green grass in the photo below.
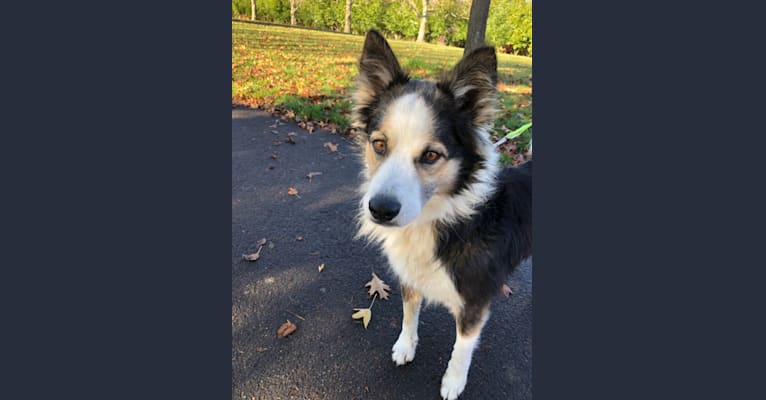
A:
[308,75]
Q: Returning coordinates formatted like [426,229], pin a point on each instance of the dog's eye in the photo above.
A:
[430,157]
[379,146]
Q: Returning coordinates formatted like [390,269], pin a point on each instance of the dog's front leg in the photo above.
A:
[469,323]
[404,348]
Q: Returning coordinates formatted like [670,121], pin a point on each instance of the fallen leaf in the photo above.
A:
[321,267]
[364,313]
[379,286]
[271,245]
[291,138]
[298,237]
[286,329]
[292,191]
[261,242]
[332,146]
[312,174]
[274,155]
[253,257]
[506,290]
[275,132]
[276,142]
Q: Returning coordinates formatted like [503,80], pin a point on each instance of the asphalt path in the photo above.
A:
[332,356]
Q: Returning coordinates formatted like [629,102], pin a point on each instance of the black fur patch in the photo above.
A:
[379,71]
[481,251]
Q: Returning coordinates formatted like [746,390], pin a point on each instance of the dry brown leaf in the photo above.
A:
[312,174]
[286,329]
[253,257]
[292,191]
[506,290]
[364,313]
[261,242]
[332,146]
[274,155]
[291,138]
[320,267]
[377,285]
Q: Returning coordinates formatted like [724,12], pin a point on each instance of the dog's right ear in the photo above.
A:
[378,71]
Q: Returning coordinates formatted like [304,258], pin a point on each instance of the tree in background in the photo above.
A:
[347,19]
[253,11]
[293,9]
[423,17]
[477,25]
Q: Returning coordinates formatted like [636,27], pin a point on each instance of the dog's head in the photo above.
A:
[425,144]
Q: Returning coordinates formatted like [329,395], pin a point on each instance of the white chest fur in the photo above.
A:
[410,252]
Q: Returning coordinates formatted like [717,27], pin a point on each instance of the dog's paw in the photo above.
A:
[404,350]
[452,385]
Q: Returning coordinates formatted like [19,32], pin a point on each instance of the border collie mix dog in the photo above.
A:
[452,222]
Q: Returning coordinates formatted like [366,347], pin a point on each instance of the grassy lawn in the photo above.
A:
[307,75]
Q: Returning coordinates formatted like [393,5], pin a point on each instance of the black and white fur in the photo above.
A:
[451,221]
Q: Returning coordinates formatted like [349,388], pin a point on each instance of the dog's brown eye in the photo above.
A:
[379,146]
[430,157]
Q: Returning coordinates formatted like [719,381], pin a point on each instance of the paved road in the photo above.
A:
[331,356]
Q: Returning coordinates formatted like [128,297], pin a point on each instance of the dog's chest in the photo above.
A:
[411,255]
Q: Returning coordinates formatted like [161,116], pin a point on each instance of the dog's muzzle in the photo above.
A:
[384,208]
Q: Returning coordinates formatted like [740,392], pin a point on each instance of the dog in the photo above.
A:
[452,222]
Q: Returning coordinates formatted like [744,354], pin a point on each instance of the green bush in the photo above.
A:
[240,8]
[327,14]
[448,22]
[400,20]
[367,15]
[509,26]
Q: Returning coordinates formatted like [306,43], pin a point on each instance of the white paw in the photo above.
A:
[452,385]
[404,350]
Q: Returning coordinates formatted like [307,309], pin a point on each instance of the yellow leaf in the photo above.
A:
[364,313]
[377,285]
[321,267]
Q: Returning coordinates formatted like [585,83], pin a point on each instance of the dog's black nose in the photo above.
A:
[384,208]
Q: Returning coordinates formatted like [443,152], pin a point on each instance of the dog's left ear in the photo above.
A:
[472,84]
[378,70]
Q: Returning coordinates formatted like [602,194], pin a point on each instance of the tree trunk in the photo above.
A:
[477,25]
[253,11]
[423,19]
[294,8]
[347,23]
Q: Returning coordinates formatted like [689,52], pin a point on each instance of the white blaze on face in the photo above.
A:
[407,126]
